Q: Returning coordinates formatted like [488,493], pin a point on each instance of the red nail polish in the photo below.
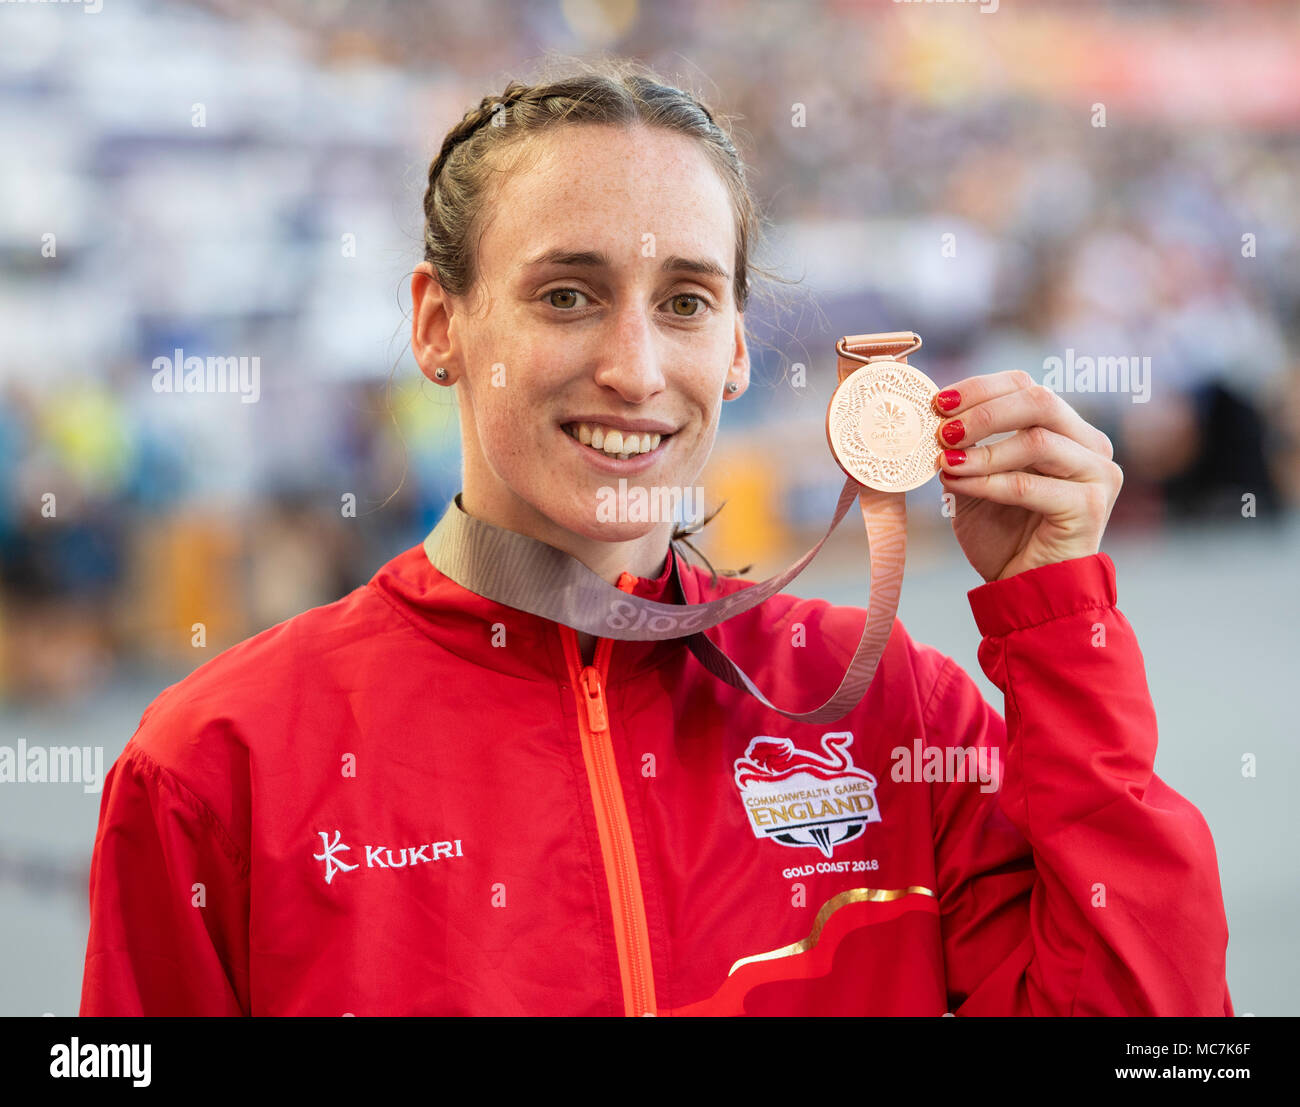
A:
[947,399]
[953,432]
[954,457]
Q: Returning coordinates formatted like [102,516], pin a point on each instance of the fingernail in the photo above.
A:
[954,457]
[953,432]
[947,399]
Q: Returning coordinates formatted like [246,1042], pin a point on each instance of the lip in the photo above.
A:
[635,425]
[606,464]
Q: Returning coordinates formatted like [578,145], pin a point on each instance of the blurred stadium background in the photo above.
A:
[286,226]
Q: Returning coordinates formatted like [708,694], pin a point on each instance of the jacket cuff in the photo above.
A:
[1039,595]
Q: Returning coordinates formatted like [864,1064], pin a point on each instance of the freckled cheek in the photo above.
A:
[704,446]
[508,434]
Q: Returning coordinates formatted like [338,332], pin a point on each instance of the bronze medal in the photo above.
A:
[882,428]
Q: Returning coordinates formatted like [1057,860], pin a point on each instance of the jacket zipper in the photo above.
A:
[631,934]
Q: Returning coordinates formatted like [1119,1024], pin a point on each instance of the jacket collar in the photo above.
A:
[513,642]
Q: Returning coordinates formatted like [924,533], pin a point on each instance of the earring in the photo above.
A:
[733,387]
[440,373]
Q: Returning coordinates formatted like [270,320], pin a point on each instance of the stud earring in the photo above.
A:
[732,386]
[440,373]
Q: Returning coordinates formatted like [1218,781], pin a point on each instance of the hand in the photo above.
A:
[1040,496]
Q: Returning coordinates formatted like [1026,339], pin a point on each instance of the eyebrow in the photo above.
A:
[673,263]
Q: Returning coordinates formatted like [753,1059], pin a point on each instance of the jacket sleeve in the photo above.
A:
[1083,885]
[168,901]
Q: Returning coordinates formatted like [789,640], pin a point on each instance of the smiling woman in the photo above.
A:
[598,323]
[421,801]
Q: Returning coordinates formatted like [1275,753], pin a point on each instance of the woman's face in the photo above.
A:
[606,272]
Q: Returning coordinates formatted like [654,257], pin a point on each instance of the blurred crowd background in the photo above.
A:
[245,179]
[242,179]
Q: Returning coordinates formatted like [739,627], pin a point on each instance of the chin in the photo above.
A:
[622,532]
[602,515]
[606,525]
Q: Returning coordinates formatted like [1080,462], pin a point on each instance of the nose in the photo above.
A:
[629,361]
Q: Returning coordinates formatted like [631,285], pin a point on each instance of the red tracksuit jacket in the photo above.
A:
[416,801]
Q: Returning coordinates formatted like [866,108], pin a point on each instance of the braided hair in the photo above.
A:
[621,92]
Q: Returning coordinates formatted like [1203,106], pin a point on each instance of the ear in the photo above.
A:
[739,372]
[431,325]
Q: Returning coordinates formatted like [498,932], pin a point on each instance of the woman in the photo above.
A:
[420,801]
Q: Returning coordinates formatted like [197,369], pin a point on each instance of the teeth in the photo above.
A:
[612,441]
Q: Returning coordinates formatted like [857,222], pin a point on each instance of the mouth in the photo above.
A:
[613,442]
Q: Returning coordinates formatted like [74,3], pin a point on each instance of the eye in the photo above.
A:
[563,292]
[689,297]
